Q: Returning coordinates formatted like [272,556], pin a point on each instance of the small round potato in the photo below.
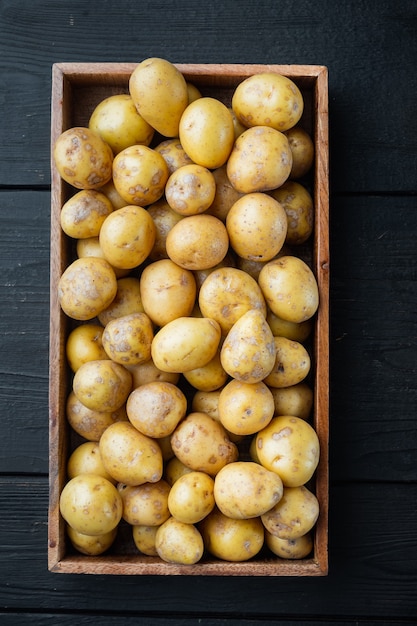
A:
[173,153]
[82,158]
[245,408]
[197,242]
[113,195]
[292,363]
[191,497]
[84,344]
[127,236]
[91,424]
[156,408]
[290,288]
[164,219]
[118,122]
[147,372]
[298,205]
[294,515]
[91,504]
[225,196]
[128,339]
[84,213]
[177,542]
[193,92]
[261,160]
[102,385]
[89,544]
[144,539]
[90,247]
[190,190]
[207,402]
[244,489]
[86,459]
[146,504]
[235,540]
[257,227]
[174,469]
[129,456]
[202,444]
[295,400]
[210,377]
[298,548]
[86,288]
[297,331]
[126,301]
[290,447]
[302,148]
[140,174]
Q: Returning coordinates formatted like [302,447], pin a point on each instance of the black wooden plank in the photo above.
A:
[372,87]
[373,567]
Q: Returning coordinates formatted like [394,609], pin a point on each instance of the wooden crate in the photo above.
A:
[76,89]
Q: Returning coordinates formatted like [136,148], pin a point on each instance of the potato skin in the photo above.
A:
[191,497]
[156,408]
[91,545]
[102,385]
[178,542]
[139,175]
[298,548]
[84,213]
[235,540]
[197,242]
[292,363]
[127,340]
[294,515]
[298,206]
[146,504]
[245,408]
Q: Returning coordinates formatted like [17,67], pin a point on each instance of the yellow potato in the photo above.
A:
[88,423]
[298,205]
[225,195]
[127,236]
[191,497]
[146,504]
[245,408]
[292,363]
[202,444]
[127,339]
[235,540]
[207,402]
[297,331]
[84,213]
[147,372]
[257,227]
[89,544]
[139,175]
[248,352]
[174,154]
[84,344]
[86,288]
[126,301]
[227,293]
[201,275]
[177,542]
[197,242]
[91,504]
[90,247]
[102,385]
[164,219]
[113,195]
[129,456]
[268,99]
[193,92]
[156,408]
[298,548]
[244,490]
[168,291]
[295,400]
[294,515]
[118,122]
[160,94]
[144,539]
[82,158]
[86,459]
[174,469]
[290,288]
[190,190]
[185,344]
[209,377]
[302,148]
[290,447]
[261,160]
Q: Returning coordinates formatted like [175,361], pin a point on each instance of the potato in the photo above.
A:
[297,331]
[174,469]
[197,242]
[144,539]
[117,121]
[201,275]
[295,400]
[190,190]
[174,154]
[298,205]
[257,227]
[209,377]
[113,195]
[102,385]
[91,504]
[235,540]
[243,490]
[126,301]
[127,340]
[156,408]
[225,195]
[253,267]
[83,214]
[91,545]
[302,148]
[147,372]
[86,459]
[248,352]
[168,291]
[127,236]
[268,99]
[146,504]
[207,402]
[292,363]
[294,515]
[185,344]
[160,94]
[290,447]
[193,92]
[206,132]
[201,443]
[261,160]
[191,497]
[88,423]
[82,158]
[177,542]
[298,548]
[228,293]
[86,288]
[84,344]
[164,219]
[90,247]
[129,456]
[290,288]
[139,175]
[245,408]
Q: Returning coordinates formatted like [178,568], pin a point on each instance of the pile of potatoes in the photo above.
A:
[191,310]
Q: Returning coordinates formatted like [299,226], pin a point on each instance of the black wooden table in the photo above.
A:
[370,48]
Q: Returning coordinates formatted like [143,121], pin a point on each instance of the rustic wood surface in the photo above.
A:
[370,48]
